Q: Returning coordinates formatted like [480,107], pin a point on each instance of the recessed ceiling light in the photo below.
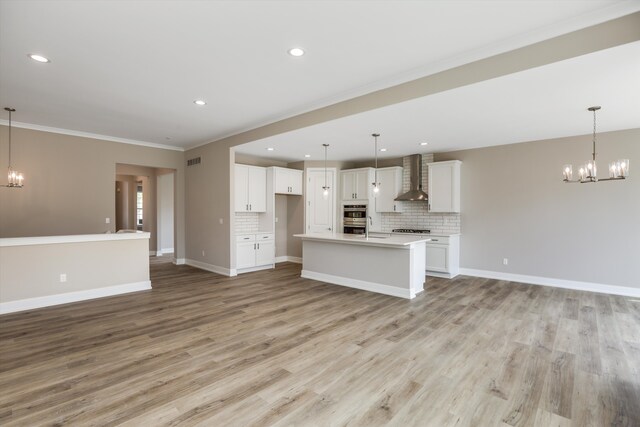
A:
[270,149]
[307,155]
[38,58]
[383,149]
[296,51]
[424,143]
[199,102]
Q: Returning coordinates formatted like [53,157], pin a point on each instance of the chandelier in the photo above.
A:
[588,172]
[14,178]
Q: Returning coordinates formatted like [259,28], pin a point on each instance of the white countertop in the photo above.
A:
[397,241]
[433,233]
[76,238]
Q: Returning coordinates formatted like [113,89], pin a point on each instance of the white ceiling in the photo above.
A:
[539,103]
[132,69]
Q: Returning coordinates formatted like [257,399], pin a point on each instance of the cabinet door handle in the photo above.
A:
[254,246]
[246,207]
[434,240]
[249,206]
[394,208]
[258,245]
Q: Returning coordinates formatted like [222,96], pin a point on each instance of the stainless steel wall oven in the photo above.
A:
[354,219]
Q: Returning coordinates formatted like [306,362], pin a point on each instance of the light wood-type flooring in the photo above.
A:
[270,348]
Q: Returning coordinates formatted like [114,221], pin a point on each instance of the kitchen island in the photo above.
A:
[392,265]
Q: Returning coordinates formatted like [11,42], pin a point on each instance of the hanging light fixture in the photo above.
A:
[325,189]
[589,171]
[375,183]
[15,179]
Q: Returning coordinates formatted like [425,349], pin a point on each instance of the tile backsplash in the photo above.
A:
[415,214]
[247,222]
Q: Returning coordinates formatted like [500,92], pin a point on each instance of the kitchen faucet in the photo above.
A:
[366,227]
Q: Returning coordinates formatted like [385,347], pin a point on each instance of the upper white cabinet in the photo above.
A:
[250,188]
[444,186]
[390,180]
[287,181]
[356,183]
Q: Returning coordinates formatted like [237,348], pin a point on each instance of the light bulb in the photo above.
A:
[325,193]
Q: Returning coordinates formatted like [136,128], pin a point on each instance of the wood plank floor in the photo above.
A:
[270,348]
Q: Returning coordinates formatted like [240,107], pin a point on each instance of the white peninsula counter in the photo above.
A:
[391,265]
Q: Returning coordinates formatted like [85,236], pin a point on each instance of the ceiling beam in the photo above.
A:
[606,35]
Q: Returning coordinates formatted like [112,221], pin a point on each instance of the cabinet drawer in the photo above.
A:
[246,238]
[264,236]
[438,240]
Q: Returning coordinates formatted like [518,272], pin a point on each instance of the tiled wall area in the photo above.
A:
[415,214]
[247,222]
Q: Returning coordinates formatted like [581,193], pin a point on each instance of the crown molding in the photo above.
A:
[70,132]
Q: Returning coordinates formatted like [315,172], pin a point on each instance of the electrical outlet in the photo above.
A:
[202,253]
[220,220]
[276,219]
[63,277]
[107,220]
[505,261]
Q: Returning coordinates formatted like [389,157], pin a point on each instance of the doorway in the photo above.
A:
[145,201]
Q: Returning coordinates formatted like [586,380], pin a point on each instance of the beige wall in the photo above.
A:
[209,201]
[69,183]
[515,205]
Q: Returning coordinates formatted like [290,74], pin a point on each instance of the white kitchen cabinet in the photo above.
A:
[254,252]
[390,180]
[250,188]
[287,181]
[444,186]
[443,256]
[356,183]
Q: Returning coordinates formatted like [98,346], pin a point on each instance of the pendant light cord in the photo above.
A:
[9,110]
[594,135]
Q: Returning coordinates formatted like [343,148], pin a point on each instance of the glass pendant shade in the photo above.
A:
[567,172]
[592,170]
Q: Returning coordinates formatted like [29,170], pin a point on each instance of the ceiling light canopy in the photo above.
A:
[38,58]
[296,51]
[383,149]
[270,149]
[199,102]
[307,155]
[424,143]
[588,172]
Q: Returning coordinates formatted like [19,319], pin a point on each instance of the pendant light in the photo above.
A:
[375,183]
[15,179]
[589,171]
[325,189]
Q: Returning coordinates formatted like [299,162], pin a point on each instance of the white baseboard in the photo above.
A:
[49,300]
[209,267]
[252,269]
[358,284]
[558,283]
[179,261]
[286,258]
[152,253]
[164,251]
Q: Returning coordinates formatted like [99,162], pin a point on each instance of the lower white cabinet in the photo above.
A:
[443,256]
[254,252]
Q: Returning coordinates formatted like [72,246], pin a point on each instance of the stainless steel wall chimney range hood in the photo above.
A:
[415,193]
